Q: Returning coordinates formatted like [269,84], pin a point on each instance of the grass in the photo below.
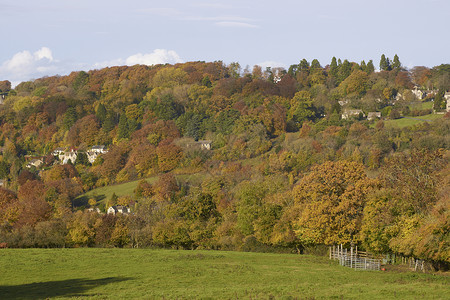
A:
[421,105]
[172,274]
[127,188]
[411,121]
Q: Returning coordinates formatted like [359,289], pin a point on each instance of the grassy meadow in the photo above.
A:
[410,121]
[127,188]
[176,274]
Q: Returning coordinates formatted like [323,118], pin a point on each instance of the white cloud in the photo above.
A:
[42,53]
[24,65]
[158,56]
[236,24]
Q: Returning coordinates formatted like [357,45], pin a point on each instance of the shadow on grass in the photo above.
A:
[63,288]
[84,200]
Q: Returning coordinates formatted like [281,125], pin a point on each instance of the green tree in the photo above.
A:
[396,65]
[334,69]
[370,68]
[123,132]
[385,63]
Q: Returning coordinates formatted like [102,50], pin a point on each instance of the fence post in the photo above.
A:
[365,263]
[334,251]
[351,257]
[330,251]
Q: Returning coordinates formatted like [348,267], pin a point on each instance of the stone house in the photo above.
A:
[348,113]
[118,209]
[205,144]
[99,149]
[373,115]
[68,155]
[447,98]
[36,162]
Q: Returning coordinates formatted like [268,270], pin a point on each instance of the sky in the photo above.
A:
[55,37]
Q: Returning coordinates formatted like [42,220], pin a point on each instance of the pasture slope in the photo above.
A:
[180,274]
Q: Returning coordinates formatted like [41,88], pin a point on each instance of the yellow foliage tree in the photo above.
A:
[329,203]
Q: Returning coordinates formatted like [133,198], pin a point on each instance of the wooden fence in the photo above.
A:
[354,259]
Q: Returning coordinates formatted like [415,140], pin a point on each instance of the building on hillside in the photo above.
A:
[373,115]
[205,144]
[99,149]
[352,113]
[67,156]
[92,156]
[118,209]
[418,93]
[36,162]
[202,145]
[2,183]
[94,209]
[447,98]
[2,98]
[58,151]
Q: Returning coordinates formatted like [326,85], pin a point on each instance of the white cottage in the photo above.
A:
[118,209]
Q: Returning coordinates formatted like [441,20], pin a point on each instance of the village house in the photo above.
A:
[205,144]
[202,145]
[68,155]
[2,182]
[92,154]
[373,115]
[94,209]
[418,93]
[118,209]
[95,151]
[2,98]
[36,162]
[447,98]
[99,149]
[58,151]
[355,113]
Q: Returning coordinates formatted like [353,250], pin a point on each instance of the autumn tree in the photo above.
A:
[329,202]
[9,209]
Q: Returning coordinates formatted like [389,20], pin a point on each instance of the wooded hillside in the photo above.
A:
[288,158]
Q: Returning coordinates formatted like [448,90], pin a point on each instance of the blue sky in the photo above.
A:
[49,37]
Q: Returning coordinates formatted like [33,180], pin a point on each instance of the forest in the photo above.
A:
[294,159]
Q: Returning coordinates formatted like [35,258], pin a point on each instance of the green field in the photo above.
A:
[176,274]
[127,188]
[410,121]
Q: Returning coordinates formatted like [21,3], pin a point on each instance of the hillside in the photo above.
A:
[210,156]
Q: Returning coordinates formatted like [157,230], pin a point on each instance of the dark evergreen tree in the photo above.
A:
[344,71]
[385,63]
[82,159]
[370,68]
[101,113]
[70,117]
[363,66]
[396,65]
[123,127]
[334,68]
[315,64]
[303,65]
